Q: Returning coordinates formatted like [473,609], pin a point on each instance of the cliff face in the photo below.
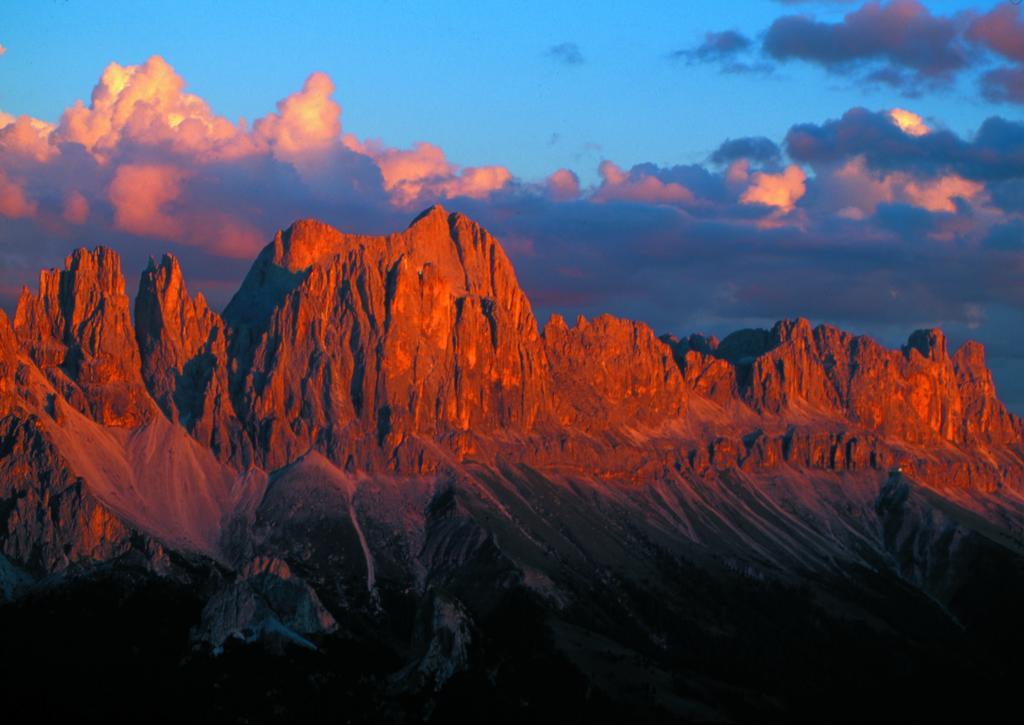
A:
[184,358]
[417,353]
[609,373]
[984,418]
[49,520]
[393,353]
[377,339]
[8,359]
[78,331]
[918,394]
[375,433]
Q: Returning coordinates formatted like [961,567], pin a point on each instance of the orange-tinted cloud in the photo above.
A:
[305,122]
[563,185]
[856,190]
[26,137]
[1001,29]
[147,104]
[637,186]
[76,208]
[13,202]
[424,173]
[781,191]
[859,191]
[406,171]
[738,172]
[939,194]
[140,193]
[173,169]
[909,122]
[476,182]
[147,201]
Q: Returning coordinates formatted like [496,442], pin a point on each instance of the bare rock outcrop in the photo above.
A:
[610,373]
[183,349]
[374,340]
[78,330]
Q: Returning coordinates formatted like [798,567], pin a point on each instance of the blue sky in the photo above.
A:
[473,77]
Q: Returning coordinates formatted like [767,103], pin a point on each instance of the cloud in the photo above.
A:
[1000,30]
[912,45]
[781,191]
[13,202]
[909,122]
[717,46]
[941,194]
[563,185]
[995,153]
[566,53]
[423,173]
[306,123]
[146,105]
[26,137]
[753,148]
[1007,237]
[725,48]
[637,185]
[896,43]
[146,159]
[76,208]
[1004,85]
[140,195]
[876,219]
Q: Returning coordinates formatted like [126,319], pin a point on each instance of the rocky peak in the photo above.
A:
[789,372]
[8,358]
[8,342]
[168,321]
[611,372]
[970,367]
[985,418]
[78,330]
[305,243]
[433,220]
[930,343]
[917,394]
[796,331]
[183,349]
[421,332]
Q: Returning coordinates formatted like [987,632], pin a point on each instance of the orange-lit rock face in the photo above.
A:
[401,352]
[50,519]
[379,338]
[984,418]
[8,357]
[610,373]
[918,394]
[78,331]
[183,347]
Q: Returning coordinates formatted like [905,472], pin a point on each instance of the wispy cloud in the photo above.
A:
[566,53]
[729,49]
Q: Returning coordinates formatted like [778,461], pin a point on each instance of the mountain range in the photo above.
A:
[373,487]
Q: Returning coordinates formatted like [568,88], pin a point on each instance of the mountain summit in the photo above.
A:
[375,443]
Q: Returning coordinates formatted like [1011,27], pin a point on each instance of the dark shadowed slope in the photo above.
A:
[375,472]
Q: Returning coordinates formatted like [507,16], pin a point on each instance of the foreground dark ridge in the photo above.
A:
[375,446]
